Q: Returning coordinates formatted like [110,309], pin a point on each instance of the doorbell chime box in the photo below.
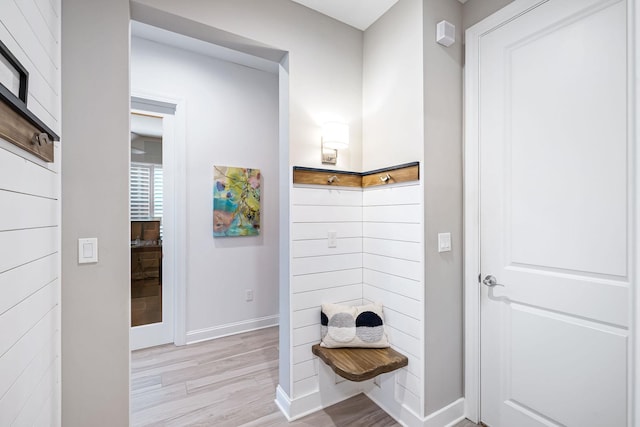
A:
[445,33]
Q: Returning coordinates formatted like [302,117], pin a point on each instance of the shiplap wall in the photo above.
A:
[393,273]
[29,229]
[321,274]
[379,257]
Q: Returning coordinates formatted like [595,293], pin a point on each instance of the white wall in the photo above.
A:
[378,258]
[95,164]
[231,120]
[393,274]
[30,229]
[321,274]
[393,130]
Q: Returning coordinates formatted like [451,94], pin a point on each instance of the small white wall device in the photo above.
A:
[87,250]
[445,33]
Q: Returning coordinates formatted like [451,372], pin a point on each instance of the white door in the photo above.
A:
[554,213]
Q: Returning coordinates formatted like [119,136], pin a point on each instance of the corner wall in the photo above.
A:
[377,258]
[413,107]
[95,190]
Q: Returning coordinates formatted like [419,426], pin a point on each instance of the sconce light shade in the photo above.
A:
[335,135]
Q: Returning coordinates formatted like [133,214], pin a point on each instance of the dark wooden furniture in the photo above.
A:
[360,364]
[146,273]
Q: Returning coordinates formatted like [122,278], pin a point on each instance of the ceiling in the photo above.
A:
[145,125]
[357,13]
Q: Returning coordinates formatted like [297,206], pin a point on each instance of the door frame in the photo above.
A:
[472,205]
[176,270]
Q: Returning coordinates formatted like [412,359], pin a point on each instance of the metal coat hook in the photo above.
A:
[333,179]
[40,139]
[386,178]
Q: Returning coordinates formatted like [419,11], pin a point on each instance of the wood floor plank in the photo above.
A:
[229,382]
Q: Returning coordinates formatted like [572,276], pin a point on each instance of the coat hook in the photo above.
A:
[40,139]
[385,178]
[333,179]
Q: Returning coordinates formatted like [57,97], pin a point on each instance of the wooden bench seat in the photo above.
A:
[360,364]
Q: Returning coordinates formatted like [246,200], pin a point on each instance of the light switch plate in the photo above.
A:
[332,239]
[444,242]
[87,250]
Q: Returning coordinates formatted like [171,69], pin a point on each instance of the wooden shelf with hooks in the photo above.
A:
[385,176]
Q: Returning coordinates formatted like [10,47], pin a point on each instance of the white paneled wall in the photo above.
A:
[378,258]
[393,273]
[321,274]
[29,229]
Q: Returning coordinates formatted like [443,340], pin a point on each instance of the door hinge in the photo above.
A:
[479,278]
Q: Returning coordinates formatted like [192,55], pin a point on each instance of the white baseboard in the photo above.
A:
[231,329]
[283,402]
[294,409]
[447,416]
[328,393]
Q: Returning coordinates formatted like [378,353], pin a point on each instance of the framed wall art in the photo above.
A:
[236,201]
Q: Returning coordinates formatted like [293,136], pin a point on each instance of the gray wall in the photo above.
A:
[392,88]
[443,206]
[95,164]
[476,10]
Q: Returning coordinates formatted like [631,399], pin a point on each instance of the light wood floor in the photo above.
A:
[228,382]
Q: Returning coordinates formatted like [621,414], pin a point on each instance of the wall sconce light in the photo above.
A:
[335,136]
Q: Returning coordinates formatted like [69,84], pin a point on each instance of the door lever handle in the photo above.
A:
[490,281]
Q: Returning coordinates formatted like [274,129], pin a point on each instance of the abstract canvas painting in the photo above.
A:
[236,201]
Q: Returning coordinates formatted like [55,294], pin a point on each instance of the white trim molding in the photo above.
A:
[174,128]
[633,53]
[231,329]
[447,416]
[329,392]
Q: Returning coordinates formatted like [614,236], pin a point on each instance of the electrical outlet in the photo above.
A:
[248,295]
